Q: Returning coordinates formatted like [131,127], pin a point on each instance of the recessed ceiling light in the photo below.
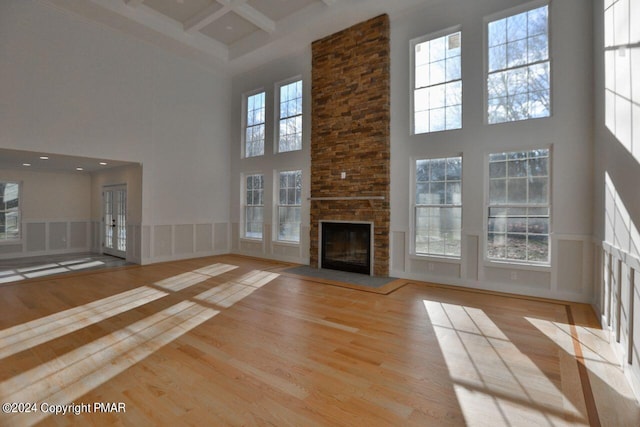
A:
[44,157]
[26,164]
[103,163]
[229,27]
[79,169]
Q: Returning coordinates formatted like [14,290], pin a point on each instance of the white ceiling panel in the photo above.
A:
[229,28]
[280,9]
[179,10]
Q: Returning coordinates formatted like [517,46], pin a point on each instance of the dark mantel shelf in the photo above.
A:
[370,199]
[348,198]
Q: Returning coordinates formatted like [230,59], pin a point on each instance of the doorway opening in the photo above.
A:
[114,202]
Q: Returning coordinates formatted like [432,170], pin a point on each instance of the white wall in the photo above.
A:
[568,130]
[73,87]
[265,78]
[55,213]
[616,178]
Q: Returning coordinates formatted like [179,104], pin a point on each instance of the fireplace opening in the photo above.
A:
[346,247]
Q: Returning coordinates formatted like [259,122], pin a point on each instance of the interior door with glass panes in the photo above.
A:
[115,220]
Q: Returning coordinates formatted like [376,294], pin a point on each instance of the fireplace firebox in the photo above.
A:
[346,246]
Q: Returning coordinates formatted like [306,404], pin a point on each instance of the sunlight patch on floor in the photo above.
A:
[64,379]
[43,270]
[216,269]
[492,375]
[596,352]
[77,372]
[191,278]
[231,292]
[27,335]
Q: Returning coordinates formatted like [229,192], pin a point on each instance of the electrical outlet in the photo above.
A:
[514,275]
[431,266]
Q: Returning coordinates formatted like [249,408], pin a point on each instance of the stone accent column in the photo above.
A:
[350,132]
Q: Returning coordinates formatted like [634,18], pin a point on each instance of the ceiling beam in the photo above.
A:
[206,17]
[255,17]
[172,33]
[214,12]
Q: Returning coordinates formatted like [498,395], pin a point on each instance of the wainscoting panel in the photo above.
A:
[36,236]
[57,235]
[78,236]
[183,239]
[6,251]
[162,241]
[251,247]
[146,243]
[204,237]
[440,272]
[171,242]
[134,252]
[44,237]
[570,261]
[221,237]
[284,251]
[398,251]
[518,279]
[96,236]
[304,244]
[472,251]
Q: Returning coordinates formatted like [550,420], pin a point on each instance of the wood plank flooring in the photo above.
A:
[229,340]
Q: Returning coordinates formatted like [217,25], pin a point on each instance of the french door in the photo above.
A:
[115,220]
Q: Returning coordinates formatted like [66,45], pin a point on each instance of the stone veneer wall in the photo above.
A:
[350,132]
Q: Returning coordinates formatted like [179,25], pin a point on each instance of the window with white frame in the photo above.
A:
[519,220]
[254,206]
[437,83]
[290,117]
[289,202]
[438,206]
[254,130]
[9,211]
[518,74]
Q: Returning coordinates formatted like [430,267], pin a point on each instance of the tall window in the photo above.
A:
[9,211]
[437,89]
[518,80]
[290,124]
[438,206]
[289,204]
[254,206]
[254,131]
[519,207]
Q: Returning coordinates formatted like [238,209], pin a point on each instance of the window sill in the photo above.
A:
[251,239]
[515,265]
[286,243]
[10,242]
[436,258]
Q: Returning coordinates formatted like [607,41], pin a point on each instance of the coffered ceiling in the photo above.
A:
[234,34]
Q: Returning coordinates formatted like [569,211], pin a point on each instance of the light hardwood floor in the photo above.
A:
[236,341]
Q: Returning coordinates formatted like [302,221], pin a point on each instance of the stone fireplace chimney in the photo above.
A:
[350,142]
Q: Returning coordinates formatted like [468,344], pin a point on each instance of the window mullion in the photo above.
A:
[528,64]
